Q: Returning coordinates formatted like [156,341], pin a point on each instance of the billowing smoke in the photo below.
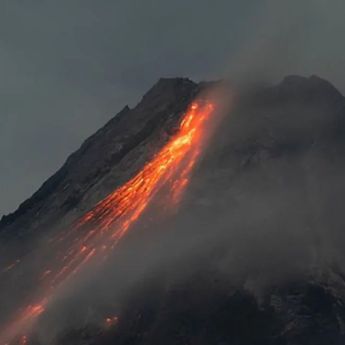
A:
[262,209]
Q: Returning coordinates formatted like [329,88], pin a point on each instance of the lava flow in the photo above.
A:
[97,232]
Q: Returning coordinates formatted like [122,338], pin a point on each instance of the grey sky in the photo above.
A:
[67,66]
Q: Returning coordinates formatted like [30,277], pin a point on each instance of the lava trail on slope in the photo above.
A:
[96,233]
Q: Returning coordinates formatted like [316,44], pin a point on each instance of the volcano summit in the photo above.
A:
[253,255]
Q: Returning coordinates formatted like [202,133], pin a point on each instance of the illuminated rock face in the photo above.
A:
[107,158]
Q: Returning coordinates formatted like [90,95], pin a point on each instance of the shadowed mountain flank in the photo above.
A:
[101,158]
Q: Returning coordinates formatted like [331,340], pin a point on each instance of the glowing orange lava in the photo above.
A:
[101,229]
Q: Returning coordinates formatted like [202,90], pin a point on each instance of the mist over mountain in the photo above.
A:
[252,256]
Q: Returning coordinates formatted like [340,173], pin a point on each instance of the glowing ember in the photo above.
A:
[101,229]
[111,321]
[23,340]
[11,266]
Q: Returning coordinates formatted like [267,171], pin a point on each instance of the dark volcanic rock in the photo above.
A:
[288,118]
[279,157]
[214,312]
[94,163]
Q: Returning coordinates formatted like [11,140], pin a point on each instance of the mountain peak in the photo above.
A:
[312,86]
[95,161]
[166,89]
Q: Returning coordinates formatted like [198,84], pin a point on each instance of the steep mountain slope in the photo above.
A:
[260,237]
[104,161]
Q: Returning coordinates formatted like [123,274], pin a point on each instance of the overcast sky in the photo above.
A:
[67,66]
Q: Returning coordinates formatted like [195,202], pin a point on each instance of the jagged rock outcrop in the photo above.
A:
[104,161]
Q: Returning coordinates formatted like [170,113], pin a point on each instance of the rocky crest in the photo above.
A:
[104,160]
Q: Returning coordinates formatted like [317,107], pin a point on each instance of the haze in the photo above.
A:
[69,66]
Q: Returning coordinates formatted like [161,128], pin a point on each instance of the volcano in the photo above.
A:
[253,255]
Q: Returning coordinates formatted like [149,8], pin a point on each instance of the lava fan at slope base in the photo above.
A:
[96,233]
